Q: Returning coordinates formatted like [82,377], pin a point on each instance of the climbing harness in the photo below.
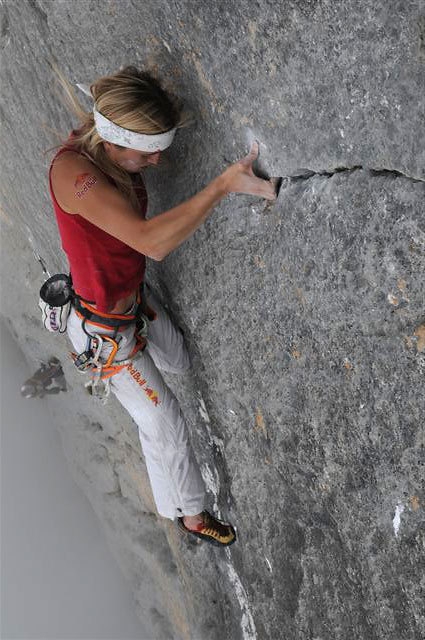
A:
[56,299]
[89,360]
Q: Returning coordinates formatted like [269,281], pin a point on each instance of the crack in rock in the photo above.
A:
[305,174]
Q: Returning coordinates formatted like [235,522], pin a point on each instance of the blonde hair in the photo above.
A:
[132,99]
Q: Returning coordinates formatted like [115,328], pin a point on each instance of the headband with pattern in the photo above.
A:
[112,132]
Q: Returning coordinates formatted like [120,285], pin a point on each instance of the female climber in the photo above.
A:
[119,331]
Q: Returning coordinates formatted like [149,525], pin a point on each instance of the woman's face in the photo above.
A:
[129,159]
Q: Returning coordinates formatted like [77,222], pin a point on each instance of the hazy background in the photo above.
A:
[58,577]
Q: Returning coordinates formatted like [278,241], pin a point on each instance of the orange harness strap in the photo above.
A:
[109,368]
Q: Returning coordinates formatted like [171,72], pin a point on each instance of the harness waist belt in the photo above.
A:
[112,320]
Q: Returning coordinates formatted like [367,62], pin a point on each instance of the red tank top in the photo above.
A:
[103,268]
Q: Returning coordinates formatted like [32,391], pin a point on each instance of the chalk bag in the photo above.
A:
[55,302]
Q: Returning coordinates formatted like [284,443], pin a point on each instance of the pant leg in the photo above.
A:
[175,478]
[165,340]
[174,474]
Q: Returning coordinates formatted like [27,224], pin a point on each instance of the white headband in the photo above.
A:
[112,132]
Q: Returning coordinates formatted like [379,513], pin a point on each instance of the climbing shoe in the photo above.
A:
[211,530]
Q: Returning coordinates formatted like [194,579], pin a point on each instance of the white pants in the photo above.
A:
[176,481]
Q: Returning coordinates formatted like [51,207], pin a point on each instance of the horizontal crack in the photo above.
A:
[396,174]
[306,174]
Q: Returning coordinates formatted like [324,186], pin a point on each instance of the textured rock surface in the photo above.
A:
[305,319]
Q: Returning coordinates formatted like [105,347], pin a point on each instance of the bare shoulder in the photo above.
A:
[72,176]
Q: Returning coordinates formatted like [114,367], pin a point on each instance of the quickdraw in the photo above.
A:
[101,372]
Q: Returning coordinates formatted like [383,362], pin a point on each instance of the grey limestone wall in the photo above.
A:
[305,318]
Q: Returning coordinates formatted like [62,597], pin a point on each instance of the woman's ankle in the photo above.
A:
[193,522]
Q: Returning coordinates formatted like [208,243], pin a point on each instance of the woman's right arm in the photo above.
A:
[103,205]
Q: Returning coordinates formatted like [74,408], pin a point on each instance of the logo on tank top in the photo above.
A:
[84,183]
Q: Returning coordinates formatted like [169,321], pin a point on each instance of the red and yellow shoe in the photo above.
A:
[212,530]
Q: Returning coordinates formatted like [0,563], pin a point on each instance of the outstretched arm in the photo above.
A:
[104,206]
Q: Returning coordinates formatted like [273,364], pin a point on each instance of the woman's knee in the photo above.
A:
[179,364]
[184,363]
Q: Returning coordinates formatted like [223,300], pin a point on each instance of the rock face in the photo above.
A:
[304,318]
